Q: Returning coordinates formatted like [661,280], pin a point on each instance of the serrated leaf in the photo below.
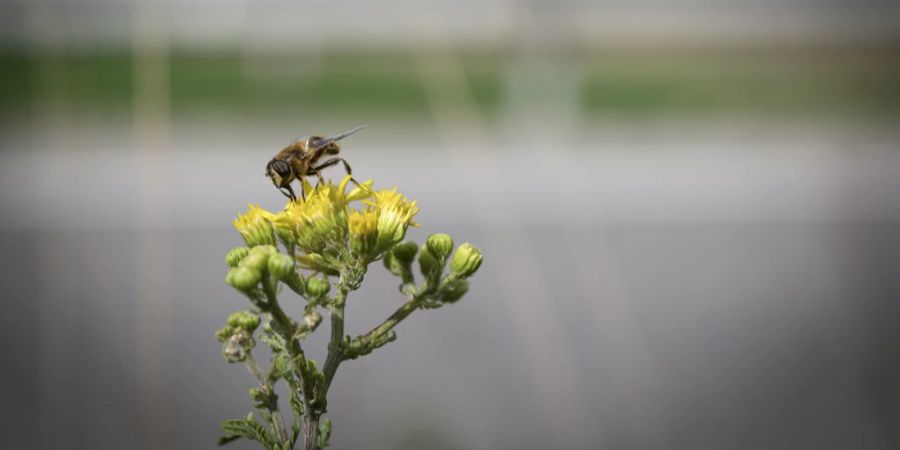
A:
[247,428]
[297,406]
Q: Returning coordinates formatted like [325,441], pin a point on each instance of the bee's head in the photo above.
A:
[279,172]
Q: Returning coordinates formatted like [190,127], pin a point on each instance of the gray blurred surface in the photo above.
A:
[658,336]
[690,215]
[721,296]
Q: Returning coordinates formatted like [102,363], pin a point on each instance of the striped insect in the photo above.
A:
[303,158]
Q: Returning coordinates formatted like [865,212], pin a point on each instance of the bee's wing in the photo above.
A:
[297,139]
[333,139]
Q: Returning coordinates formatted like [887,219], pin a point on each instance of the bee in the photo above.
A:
[301,159]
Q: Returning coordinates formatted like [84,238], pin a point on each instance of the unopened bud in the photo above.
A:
[440,245]
[405,252]
[245,320]
[466,260]
[454,290]
[234,257]
[256,259]
[243,278]
[224,333]
[317,287]
[391,264]
[280,265]
[427,262]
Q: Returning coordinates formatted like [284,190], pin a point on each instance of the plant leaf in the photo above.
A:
[247,428]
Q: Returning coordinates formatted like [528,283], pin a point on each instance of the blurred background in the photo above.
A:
[689,212]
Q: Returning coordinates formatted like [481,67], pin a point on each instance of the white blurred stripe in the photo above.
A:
[664,183]
[151,170]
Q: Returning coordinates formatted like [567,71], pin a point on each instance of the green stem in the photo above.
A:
[335,351]
[311,433]
[392,321]
[286,327]
[277,420]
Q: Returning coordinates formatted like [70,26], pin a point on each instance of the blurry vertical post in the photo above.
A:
[151,158]
[58,315]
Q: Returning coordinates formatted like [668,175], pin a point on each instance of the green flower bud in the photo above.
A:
[391,264]
[264,250]
[405,252]
[454,290]
[317,287]
[280,265]
[236,255]
[427,262]
[440,245]
[243,278]
[244,320]
[224,333]
[255,260]
[466,260]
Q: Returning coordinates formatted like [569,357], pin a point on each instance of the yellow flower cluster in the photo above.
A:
[328,228]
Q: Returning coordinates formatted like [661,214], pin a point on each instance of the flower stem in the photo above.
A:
[335,352]
[286,328]
[311,433]
[277,421]
[392,321]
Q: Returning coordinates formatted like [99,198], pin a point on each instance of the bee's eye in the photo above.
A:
[282,168]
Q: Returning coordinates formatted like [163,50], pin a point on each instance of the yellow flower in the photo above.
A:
[320,220]
[395,214]
[284,223]
[255,226]
[319,223]
[363,232]
[328,229]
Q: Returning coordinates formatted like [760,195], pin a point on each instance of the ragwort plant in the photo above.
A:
[328,239]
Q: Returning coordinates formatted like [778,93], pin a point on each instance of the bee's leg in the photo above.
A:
[302,191]
[292,196]
[334,161]
[319,180]
[287,194]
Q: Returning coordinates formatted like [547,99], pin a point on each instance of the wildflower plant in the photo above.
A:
[320,248]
